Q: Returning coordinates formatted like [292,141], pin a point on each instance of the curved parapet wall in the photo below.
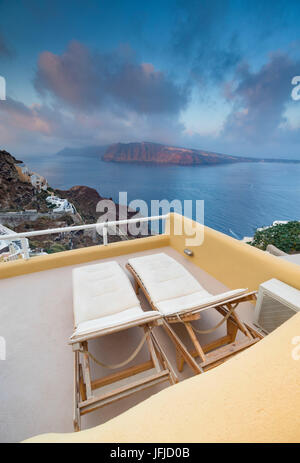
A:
[80,256]
[254,397]
[234,263]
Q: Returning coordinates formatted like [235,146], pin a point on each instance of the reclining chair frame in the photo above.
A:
[216,352]
[84,399]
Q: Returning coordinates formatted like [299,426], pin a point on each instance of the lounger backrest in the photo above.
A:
[100,290]
[164,277]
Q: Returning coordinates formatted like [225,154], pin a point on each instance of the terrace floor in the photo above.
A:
[36,320]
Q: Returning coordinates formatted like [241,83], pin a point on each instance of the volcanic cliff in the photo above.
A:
[14,193]
[154,153]
[18,194]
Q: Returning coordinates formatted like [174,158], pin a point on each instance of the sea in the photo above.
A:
[238,198]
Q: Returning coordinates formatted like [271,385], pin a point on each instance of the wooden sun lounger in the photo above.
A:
[213,353]
[105,303]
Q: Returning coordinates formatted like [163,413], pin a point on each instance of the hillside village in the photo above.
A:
[28,203]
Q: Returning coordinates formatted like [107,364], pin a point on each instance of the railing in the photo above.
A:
[14,256]
[99,225]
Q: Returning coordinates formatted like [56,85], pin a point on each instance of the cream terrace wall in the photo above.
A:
[232,262]
[80,256]
[252,398]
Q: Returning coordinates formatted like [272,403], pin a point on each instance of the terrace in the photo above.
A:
[36,320]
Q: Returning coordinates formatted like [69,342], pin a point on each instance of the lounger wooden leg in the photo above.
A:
[232,330]
[195,341]
[82,388]
[181,347]
[255,333]
[87,371]
[158,352]
[240,324]
[76,417]
[151,349]
[179,361]
[164,360]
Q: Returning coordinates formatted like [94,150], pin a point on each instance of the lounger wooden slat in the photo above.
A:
[124,391]
[169,298]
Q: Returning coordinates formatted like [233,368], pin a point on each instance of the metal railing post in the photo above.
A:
[25,249]
[105,240]
[23,237]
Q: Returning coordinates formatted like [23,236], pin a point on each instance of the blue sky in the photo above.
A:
[206,74]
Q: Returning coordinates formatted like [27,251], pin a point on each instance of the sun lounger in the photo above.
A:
[179,297]
[256,398]
[104,302]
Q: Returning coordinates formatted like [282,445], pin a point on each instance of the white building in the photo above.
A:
[37,181]
[12,249]
[24,169]
[61,205]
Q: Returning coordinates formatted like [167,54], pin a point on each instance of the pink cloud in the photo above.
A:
[87,80]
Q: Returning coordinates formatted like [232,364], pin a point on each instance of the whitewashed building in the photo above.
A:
[61,205]
[37,181]
[12,249]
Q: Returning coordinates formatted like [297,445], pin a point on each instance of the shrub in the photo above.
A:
[55,248]
[284,236]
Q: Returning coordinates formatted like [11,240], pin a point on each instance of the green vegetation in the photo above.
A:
[284,236]
[56,248]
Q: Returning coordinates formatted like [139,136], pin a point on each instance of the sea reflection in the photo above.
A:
[238,197]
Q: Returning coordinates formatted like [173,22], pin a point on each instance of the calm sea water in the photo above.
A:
[238,197]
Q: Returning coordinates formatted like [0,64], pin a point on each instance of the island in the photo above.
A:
[155,153]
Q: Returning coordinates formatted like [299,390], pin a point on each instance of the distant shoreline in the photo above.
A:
[157,163]
[154,153]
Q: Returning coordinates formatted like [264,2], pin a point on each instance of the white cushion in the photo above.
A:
[164,277]
[193,301]
[100,290]
[115,320]
[171,287]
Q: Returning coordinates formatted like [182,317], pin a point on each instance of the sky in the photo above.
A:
[207,74]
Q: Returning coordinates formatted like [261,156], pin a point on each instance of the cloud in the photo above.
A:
[46,129]
[33,129]
[259,99]
[19,116]
[212,38]
[200,39]
[89,98]
[88,80]
[93,99]
[5,50]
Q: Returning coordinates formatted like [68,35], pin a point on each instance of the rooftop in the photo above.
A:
[36,320]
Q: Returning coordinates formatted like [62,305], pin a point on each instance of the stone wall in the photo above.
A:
[13,219]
